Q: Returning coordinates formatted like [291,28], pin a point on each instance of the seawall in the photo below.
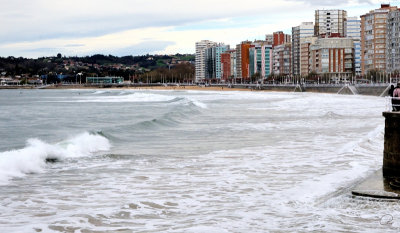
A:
[373,90]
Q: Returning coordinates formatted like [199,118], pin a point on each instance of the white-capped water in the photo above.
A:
[32,158]
[189,161]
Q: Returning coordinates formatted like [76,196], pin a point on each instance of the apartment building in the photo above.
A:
[260,60]
[228,64]
[333,56]
[242,60]
[373,38]
[305,29]
[393,41]
[330,23]
[213,60]
[200,72]
[282,59]
[305,54]
[353,30]
[233,63]
[280,38]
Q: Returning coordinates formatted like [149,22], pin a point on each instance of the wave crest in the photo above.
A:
[33,157]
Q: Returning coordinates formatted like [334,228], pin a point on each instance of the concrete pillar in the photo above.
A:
[391,152]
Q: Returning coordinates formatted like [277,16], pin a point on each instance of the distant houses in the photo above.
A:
[23,71]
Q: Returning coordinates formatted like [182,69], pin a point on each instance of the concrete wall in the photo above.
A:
[362,90]
[391,152]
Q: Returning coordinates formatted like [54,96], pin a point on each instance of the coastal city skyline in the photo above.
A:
[335,46]
[44,28]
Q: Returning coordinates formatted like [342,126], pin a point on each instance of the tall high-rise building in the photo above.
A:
[233,63]
[282,57]
[242,60]
[353,27]
[213,60]
[353,30]
[260,59]
[254,65]
[305,54]
[393,41]
[227,58]
[210,69]
[305,29]
[330,23]
[373,39]
[200,58]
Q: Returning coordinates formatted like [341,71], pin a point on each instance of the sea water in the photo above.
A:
[189,161]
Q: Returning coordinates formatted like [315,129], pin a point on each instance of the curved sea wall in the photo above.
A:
[374,90]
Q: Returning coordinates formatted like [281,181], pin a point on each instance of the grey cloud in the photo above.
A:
[29,21]
[56,19]
[86,26]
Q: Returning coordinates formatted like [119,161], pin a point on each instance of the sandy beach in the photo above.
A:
[171,87]
[197,88]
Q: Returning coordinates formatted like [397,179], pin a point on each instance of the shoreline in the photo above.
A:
[346,89]
[139,87]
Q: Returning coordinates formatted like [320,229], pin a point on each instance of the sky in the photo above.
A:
[37,28]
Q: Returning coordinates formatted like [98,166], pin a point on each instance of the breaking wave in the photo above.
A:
[33,157]
[172,118]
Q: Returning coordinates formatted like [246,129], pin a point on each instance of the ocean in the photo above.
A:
[189,161]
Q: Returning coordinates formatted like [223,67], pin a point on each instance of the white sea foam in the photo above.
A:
[98,92]
[198,103]
[348,168]
[264,162]
[32,158]
[244,126]
[135,97]
[122,97]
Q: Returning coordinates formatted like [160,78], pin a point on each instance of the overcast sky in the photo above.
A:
[34,28]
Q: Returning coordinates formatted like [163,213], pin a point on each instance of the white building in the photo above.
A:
[353,30]
[200,65]
[260,58]
[233,63]
[305,29]
[393,42]
[330,23]
[281,59]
